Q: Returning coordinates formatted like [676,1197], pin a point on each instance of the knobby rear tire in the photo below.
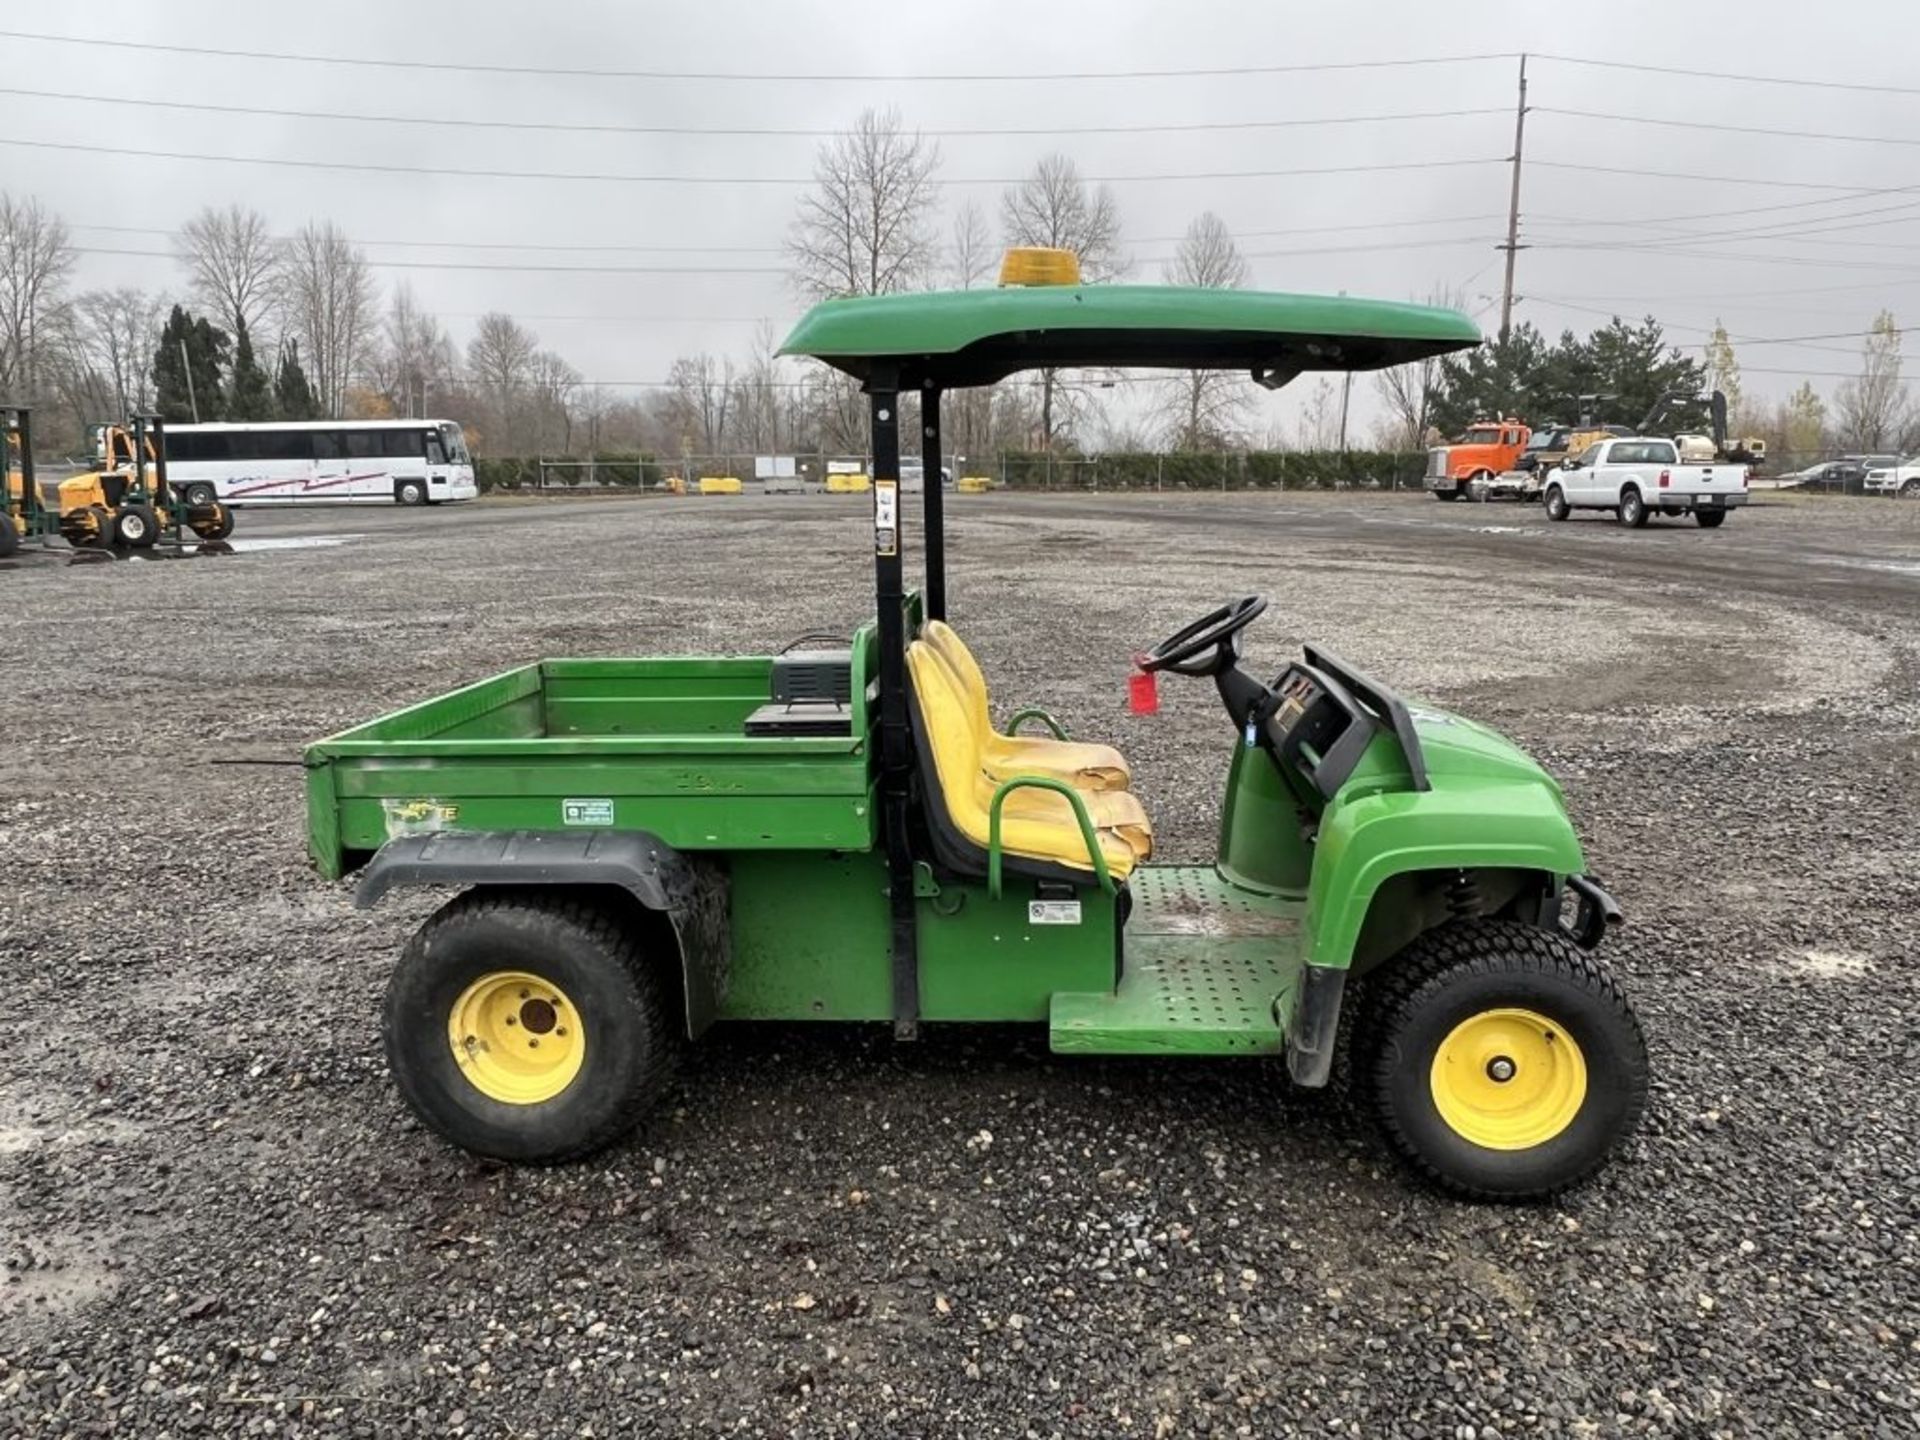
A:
[624,1004]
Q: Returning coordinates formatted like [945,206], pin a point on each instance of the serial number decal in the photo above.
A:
[586,812]
[1053,912]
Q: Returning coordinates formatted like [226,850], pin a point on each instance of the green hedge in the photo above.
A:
[1258,470]
[618,470]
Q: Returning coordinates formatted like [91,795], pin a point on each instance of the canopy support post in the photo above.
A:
[896,742]
[933,494]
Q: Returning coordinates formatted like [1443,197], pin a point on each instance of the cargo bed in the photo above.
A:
[629,744]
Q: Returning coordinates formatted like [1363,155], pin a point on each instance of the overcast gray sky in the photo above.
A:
[1431,221]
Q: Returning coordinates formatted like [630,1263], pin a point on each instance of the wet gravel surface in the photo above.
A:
[217,1218]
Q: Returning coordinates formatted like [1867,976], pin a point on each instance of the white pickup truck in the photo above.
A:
[1639,477]
[1902,479]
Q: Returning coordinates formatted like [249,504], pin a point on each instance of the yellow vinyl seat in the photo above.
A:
[1084,766]
[1039,834]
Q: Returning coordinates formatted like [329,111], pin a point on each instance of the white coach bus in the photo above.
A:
[352,462]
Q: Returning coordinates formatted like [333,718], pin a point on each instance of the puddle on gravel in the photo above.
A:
[1830,964]
[294,542]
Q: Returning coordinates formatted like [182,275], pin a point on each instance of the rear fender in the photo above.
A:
[690,892]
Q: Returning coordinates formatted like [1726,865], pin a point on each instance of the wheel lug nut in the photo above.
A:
[1500,1069]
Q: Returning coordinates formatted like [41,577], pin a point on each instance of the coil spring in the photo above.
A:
[1463,896]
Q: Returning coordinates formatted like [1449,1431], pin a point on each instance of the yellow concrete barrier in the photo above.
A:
[719,485]
[974,484]
[848,484]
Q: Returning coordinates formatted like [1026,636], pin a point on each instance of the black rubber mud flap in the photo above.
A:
[1316,1025]
[690,891]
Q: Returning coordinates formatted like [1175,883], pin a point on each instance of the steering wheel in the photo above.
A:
[1210,645]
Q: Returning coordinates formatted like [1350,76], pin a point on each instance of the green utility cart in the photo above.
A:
[643,847]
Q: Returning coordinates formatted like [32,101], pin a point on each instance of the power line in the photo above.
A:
[1691,73]
[1732,129]
[1763,209]
[523,268]
[375,168]
[1194,127]
[1385,223]
[516,269]
[837,77]
[1807,261]
[1723,179]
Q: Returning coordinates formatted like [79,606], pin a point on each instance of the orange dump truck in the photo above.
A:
[1489,448]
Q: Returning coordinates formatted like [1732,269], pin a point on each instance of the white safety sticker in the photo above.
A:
[586,812]
[886,517]
[1053,912]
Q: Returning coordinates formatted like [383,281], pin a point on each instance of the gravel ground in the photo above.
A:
[218,1219]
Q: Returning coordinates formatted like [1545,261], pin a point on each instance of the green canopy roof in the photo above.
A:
[975,337]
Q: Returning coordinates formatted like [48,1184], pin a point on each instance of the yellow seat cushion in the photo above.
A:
[1084,766]
[1035,824]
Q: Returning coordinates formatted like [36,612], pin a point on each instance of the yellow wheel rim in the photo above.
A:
[516,1037]
[1508,1079]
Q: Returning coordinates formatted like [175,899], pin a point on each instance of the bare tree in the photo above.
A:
[500,364]
[970,249]
[863,229]
[36,258]
[757,405]
[700,391]
[234,267]
[1203,409]
[412,363]
[1871,412]
[1408,390]
[330,308]
[112,335]
[1054,207]
[554,386]
[1320,419]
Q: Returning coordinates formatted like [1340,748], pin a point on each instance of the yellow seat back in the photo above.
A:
[965,670]
[950,736]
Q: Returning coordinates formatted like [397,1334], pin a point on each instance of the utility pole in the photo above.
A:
[186,369]
[1513,246]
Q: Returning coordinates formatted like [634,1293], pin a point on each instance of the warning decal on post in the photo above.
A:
[886,517]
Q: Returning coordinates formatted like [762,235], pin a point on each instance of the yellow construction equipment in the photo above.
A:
[127,501]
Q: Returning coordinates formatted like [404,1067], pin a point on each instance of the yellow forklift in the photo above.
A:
[25,516]
[127,502]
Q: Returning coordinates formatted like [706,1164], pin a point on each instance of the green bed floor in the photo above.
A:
[1206,967]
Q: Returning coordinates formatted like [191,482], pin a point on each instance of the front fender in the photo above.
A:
[1519,825]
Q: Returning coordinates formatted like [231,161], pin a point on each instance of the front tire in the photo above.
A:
[410,492]
[200,493]
[1502,1062]
[1709,519]
[495,975]
[1633,509]
[1446,494]
[1910,490]
[1557,507]
[136,526]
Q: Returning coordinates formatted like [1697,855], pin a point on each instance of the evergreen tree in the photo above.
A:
[249,390]
[186,369]
[293,397]
[1630,366]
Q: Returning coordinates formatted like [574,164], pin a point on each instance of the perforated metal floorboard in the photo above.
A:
[1207,966]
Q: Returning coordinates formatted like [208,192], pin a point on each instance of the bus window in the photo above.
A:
[402,444]
[364,444]
[329,445]
[436,452]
